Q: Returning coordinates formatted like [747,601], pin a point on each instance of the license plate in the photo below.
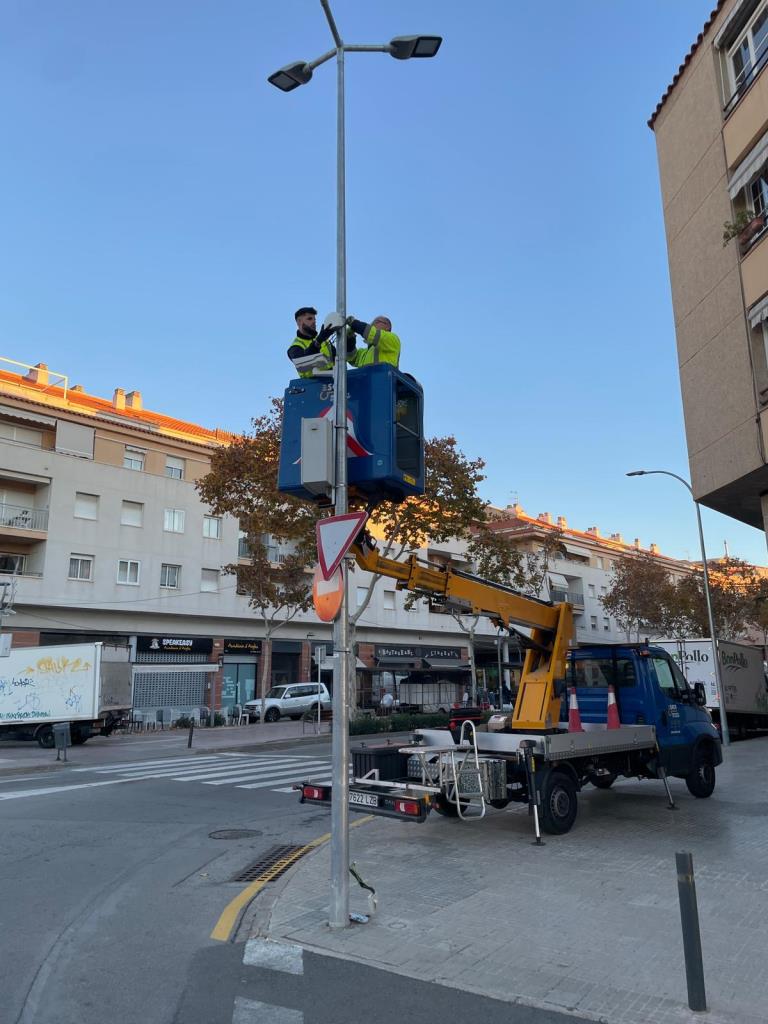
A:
[365,799]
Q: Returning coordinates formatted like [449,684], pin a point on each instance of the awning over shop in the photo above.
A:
[446,663]
[401,664]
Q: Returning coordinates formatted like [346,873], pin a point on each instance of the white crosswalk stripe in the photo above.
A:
[241,771]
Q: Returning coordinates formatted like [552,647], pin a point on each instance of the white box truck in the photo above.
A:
[744,678]
[87,685]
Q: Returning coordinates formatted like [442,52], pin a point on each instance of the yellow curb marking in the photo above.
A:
[226,923]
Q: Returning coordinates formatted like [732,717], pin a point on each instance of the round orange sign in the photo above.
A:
[327,595]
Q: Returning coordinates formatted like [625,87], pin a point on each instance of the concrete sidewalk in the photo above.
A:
[589,923]
[26,755]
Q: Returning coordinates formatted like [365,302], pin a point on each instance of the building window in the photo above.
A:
[12,563]
[174,468]
[362,593]
[132,513]
[389,600]
[170,576]
[607,625]
[599,562]
[593,622]
[81,567]
[209,580]
[748,54]
[86,505]
[133,458]
[212,527]
[21,435]
[173,521]
[128,572]
[591,589]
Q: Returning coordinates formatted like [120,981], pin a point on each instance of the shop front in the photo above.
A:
[418,676]
[172,672]
[239,671]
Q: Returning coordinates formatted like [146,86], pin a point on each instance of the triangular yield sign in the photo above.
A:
[334,538]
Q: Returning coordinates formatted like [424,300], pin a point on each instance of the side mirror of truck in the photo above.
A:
[699,694]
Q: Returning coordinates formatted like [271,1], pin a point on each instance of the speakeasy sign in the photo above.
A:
[174,644]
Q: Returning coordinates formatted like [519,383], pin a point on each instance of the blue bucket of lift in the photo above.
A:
[385,410]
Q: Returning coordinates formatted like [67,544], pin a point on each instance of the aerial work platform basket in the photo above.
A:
[385,422]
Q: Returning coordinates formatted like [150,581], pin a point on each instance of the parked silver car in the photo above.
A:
[289,701]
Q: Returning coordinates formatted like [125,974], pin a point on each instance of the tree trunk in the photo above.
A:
[266,669]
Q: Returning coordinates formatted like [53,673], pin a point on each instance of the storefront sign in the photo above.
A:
[174,645]
[444,653]
[417,651]
[250,647]
[395,651]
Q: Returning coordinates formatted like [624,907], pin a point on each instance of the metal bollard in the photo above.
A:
[689,918]
[191,732]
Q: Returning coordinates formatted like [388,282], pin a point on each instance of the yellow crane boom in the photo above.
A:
[537,708]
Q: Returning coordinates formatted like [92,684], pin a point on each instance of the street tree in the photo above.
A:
[641,596]
[738,594]
[242,482]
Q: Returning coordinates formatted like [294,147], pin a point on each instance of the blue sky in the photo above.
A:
[165,210]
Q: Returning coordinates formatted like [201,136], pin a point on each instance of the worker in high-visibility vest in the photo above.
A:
[382,346]
[311,350]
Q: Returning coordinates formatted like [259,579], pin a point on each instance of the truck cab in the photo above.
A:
[650,690]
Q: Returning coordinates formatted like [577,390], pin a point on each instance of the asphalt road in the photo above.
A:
[112,880]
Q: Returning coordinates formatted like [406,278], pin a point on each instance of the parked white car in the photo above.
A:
[289,701]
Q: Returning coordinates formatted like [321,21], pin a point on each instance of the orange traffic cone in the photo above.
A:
[574,718]
[613,710]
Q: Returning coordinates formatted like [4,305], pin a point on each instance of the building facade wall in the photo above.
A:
[702,135]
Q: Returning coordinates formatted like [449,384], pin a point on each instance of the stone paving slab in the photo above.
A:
[589,923]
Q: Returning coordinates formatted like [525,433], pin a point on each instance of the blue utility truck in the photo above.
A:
[532,755]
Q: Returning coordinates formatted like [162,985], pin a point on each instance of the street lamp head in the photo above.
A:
[637,472]
[291,76]
[405,47]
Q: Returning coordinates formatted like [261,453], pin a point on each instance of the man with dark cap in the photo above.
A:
[382,345]
[310,350]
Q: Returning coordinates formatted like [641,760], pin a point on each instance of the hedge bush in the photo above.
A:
[401,722]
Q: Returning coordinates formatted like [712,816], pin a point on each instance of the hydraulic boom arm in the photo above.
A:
[537,707]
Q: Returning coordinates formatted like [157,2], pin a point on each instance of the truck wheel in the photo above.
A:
[273,715]
[700,780]
[45,737]
[602,781]
[78,738]
[559,804]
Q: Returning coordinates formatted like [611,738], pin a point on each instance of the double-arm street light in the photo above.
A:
[715,648]
[287,79]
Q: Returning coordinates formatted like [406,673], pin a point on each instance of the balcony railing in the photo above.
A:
[21,518]
[575,597]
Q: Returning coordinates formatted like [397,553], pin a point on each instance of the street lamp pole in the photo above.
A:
[287,79]
[708,597]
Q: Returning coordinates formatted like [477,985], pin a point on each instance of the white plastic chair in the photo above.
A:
[241,715]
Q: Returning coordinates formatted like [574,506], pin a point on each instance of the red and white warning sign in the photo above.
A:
[334,539]
[327,595]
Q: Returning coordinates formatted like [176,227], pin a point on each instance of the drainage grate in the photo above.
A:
[274,862]
[234,833]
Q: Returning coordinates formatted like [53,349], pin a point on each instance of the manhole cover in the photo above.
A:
[273,863]
[234,833]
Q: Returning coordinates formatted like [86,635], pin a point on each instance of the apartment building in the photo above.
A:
[580,567]
[105,538]
[711,129]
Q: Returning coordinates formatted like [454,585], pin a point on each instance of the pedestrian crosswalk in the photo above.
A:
[275,772]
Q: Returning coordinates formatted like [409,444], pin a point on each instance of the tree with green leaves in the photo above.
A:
[641,597]
[242,482]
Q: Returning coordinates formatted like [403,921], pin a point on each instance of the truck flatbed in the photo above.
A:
[557,746]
